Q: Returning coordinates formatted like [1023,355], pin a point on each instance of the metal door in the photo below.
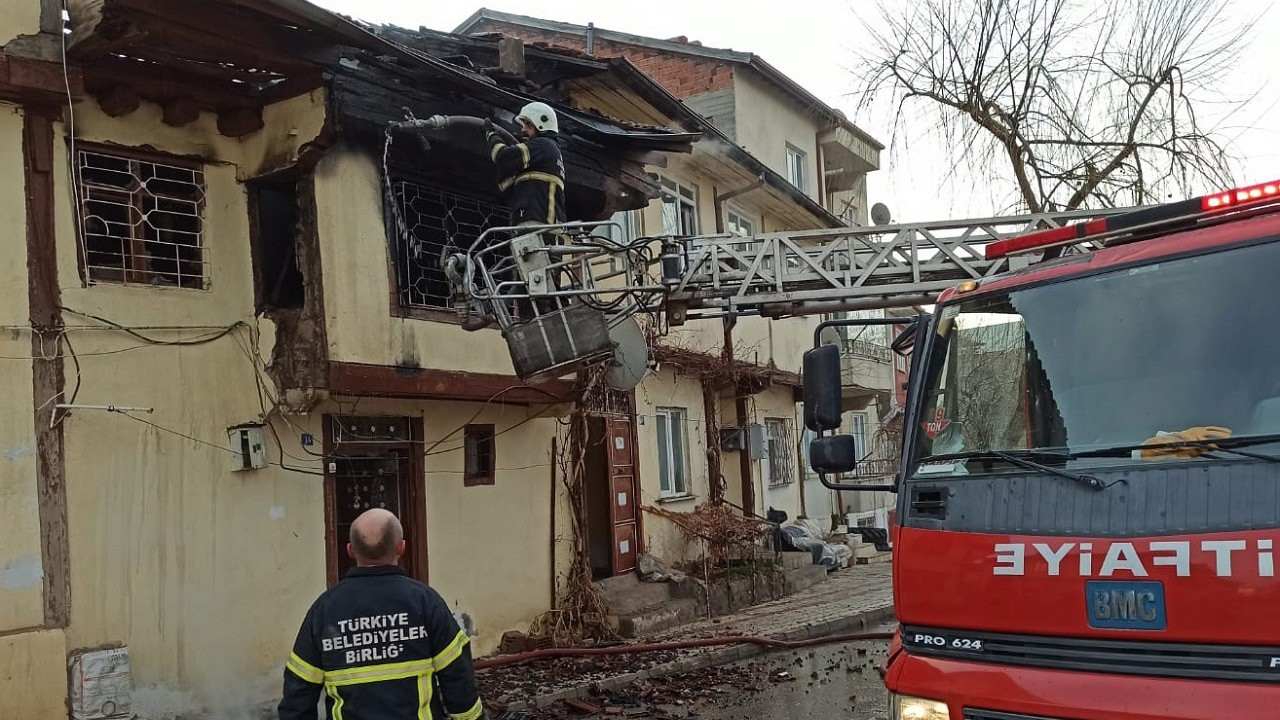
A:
[364,483]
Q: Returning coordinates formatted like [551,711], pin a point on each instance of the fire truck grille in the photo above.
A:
[1241,663]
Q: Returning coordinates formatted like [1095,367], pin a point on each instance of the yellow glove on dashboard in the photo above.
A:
[1194,434]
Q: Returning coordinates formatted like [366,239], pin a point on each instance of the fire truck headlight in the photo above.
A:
[905,707]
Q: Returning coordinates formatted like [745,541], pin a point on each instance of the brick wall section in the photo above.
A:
[679,75]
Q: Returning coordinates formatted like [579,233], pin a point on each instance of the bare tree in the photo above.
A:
[1087,104]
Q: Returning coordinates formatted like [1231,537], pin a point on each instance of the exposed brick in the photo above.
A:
[682,76]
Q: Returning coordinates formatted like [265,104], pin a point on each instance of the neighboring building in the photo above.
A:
[820,154]
[228,333]
[219,349]
[759,108]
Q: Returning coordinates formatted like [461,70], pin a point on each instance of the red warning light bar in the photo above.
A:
[1240,196]
[1188,210]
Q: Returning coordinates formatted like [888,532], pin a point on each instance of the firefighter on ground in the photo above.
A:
[380,645]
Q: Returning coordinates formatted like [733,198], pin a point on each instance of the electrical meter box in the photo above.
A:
[248,446]
[757,441]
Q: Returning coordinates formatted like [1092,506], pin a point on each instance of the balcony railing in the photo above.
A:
[873,468]
[866,349]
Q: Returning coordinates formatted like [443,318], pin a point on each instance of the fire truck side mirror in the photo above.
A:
[834,454]
[907,338]
[822,401]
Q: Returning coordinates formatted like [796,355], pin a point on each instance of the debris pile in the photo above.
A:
[720,528]
[682,695]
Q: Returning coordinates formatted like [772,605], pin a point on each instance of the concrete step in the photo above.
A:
[796,560]
[651,620]
[805,578]
[873,558]
[627,595]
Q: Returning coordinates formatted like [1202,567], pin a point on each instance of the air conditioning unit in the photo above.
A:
[248,445]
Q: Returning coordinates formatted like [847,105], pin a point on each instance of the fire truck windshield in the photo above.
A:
[1180,349]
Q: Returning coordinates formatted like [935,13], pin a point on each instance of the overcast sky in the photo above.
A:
[814,42]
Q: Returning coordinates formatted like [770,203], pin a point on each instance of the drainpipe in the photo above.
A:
[591,39]
[740,410]
[822,177]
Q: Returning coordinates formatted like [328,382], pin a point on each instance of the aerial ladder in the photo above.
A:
[567,296]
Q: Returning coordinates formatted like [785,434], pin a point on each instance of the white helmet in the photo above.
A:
[541,116]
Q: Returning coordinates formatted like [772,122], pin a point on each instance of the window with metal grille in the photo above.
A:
[433,220]
[781,469]
[142,219]
[480,451]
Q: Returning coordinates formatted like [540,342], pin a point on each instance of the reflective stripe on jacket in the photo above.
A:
[380,646]
[531,174]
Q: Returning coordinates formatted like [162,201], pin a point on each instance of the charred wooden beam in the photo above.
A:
[202,30]
[118,100]
[240,122]
[181,111]
[385,381]
[36,81]
[146,80]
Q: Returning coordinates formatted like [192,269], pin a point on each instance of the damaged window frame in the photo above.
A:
[399,272]
[137,265]
[279,283]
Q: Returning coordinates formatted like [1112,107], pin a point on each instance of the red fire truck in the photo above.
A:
[1089,501]
[1089,496]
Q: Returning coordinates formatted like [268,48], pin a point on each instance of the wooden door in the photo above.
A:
[624,495]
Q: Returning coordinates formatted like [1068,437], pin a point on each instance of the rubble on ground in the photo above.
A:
[676,696]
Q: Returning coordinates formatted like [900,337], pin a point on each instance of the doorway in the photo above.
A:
[612,492]
[373,462]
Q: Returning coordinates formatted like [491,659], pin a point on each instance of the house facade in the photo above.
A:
[227,332]
[221,348]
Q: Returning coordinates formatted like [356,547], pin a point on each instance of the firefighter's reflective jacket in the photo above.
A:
[381,646]
[531,174]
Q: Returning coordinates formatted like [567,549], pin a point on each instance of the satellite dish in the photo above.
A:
[630,361]
[880,214]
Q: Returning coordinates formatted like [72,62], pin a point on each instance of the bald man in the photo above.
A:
[381,645]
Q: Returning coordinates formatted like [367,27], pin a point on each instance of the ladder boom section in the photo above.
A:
[808,272]
[508,274]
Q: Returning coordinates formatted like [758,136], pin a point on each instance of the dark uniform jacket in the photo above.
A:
[531,174]
[381,646]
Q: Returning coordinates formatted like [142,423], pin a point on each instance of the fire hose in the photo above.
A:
[770,643]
